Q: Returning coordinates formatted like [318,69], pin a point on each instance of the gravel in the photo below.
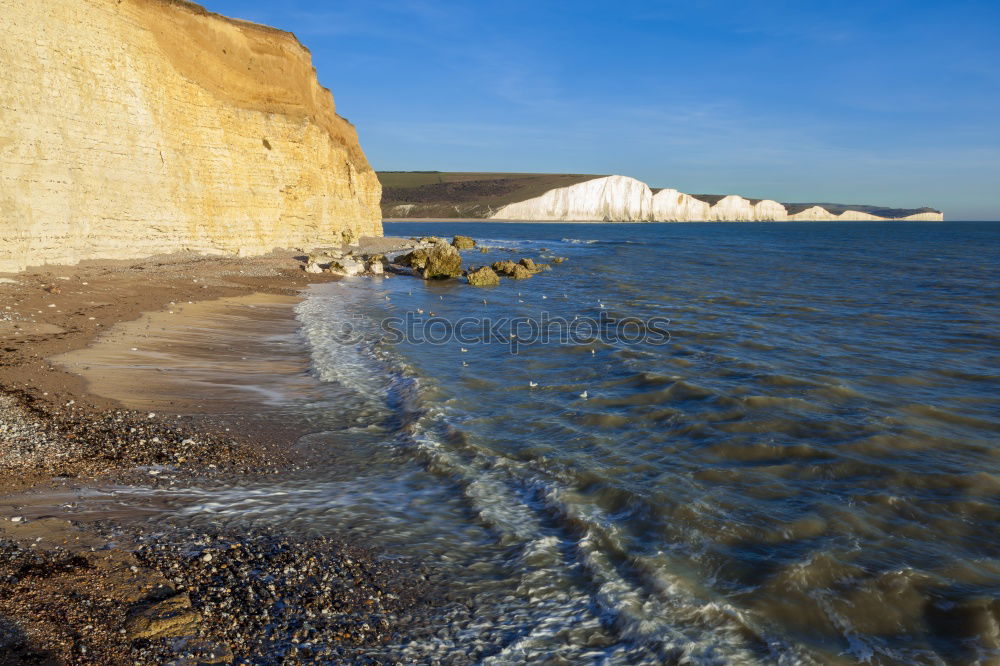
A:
[257,597]
[274,598]
[122,444]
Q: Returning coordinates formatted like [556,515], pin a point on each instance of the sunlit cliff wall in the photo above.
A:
[134,127]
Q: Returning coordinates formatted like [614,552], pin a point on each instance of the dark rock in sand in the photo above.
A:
[463,242]
[483,277]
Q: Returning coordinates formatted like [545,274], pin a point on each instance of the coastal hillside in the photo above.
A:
[134,127]
[464,194]
[565,197]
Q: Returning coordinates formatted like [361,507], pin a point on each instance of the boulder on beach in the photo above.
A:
[463,242]
[483,277]
[320,260]
[436,263]
[346,266]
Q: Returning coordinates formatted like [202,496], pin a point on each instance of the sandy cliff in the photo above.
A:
[131,127]
[623,199]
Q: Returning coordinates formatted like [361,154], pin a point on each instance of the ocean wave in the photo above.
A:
[547,536]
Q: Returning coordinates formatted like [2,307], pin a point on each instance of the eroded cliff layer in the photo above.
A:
[133,127]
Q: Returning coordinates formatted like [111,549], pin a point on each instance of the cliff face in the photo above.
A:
[622,199]
[673,206]
[609,199]
[132,127]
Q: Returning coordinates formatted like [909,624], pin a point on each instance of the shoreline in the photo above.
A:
[60,435]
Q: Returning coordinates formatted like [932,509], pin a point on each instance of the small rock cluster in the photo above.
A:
[431,258]
[436,259]
[518,271]
[340,262]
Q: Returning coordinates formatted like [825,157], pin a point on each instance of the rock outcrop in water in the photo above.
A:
[439,262]
[624,199]
[133,127]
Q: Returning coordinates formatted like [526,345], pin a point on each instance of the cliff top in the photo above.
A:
[464,194]
[246,64]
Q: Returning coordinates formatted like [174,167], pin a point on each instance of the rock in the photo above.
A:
[463,242]
[430,240]
[376,267]
[520,272]
[504,267]
[346,266]
[439,262]
[529,264]
[558,260]
[348,237]
[484,250]
[483,277]
[414,259]
[313,267]
[170,617]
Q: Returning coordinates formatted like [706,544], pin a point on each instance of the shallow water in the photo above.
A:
[807,472]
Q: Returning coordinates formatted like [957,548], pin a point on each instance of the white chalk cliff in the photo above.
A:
[608,199]
[624,199]
[673,206]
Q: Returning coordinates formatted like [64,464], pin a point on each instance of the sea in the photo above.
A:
[723,443]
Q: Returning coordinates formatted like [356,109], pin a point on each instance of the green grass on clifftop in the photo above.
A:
[463,194]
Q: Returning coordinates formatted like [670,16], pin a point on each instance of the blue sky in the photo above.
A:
[887,102]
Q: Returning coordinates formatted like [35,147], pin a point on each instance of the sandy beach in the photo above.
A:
[86,591]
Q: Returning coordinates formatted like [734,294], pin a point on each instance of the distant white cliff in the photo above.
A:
[607,199]
[624,199]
